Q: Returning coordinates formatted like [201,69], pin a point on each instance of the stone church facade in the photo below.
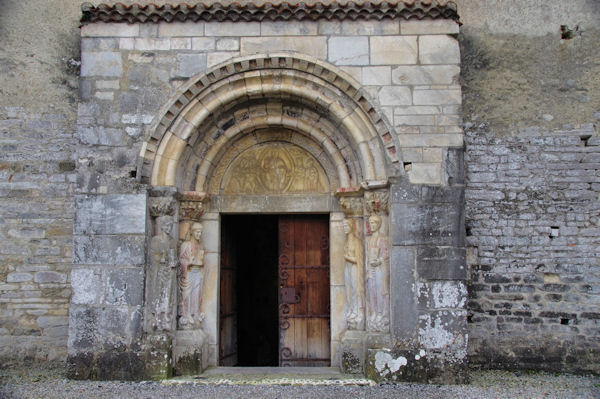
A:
[337,131]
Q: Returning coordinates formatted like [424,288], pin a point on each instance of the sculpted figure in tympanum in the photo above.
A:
[353,271]
[378,276]
[191,261]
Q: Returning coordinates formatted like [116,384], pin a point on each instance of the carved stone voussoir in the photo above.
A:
[377,202]
[192,205]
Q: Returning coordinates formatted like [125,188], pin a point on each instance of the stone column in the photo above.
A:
[352,340]
[161,276]
[190,349]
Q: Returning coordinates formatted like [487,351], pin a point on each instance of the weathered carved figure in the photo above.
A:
[378,277]
[191,260]
[160,284]
[353,255]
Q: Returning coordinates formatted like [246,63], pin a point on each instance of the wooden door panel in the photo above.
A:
[228,346]
[304,271]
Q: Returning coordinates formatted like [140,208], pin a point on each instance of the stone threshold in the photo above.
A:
[271,376]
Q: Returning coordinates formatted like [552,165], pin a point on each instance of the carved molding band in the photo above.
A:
[192,205]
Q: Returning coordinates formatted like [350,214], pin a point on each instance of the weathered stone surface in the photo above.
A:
[104,63]
[429,27]
[438,49]
[436,97]
[110,214]
[109,250]
[426,75]
[441,263]
[190,64]
[125,287]
[393,50]
[402,293]
[395,95]
[101,135]
[311,45]
[438,224]
[348,50]
[181,29]
[87,286]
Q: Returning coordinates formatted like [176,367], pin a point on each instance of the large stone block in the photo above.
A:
[87,286]
[109,250]
[311,45]
[232,29]
[438,49]
[436,97]
[110,29]
[110,214]
[125,287]
[393,50]
[348,50]
[181,29]
[395,95]
[100,135]
[190,64]
[444,330]
[425,74]
[429,27]
[428,224]
[402,294]
[288,28]
[103,63]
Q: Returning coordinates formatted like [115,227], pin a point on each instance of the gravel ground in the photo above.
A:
[51,383]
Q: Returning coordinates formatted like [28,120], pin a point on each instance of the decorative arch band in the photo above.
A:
[204,117]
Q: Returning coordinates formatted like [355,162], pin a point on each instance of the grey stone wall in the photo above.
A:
[36,184]
[533,231]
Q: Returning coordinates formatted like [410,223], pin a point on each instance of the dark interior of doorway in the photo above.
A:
[253,243]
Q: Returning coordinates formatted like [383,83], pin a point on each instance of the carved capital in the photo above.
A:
[351,206]
[377,202]
[192,205]
[162,206]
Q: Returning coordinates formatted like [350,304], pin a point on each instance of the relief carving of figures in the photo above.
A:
[161,275]
[191,261]
[378,255]
[276,168]
[353,276]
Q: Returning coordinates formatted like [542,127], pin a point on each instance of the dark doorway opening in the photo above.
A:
[249,325]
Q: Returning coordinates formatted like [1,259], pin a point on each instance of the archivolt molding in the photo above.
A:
[336,101]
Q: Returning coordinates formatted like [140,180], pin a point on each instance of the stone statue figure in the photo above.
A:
[353,271]
[378,255]
[191,261]
[160,285]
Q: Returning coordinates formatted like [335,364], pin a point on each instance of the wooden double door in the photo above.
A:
[274,299]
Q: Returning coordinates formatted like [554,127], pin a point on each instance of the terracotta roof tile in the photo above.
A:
[279,11]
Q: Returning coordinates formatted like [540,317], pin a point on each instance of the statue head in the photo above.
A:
[348,226]
[374,223]
[196,230]
[164,224]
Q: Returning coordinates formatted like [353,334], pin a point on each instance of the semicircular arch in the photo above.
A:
[333,98]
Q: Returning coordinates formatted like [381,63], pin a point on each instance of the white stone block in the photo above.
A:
[127,43]
[288,28]
[395,95]
[232,29]
[228,44]
[429,27]
[107,85]
[213,59]
[425,173]
[379,75]
[430,140]
[438,49]
[181,29]
[100,29]
[105,95]
[203,43]
[436,97]
[311,45]
[181,43]
[411,155]
[432,155]
[393,50]
[355,72]
[149,44]
[425,74]
[359,27]
[348,50]
[417,110]
[414,120]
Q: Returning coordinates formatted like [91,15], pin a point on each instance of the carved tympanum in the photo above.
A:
[191,261]
[275,168]
[378,255]
[161,275]
[353,276]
